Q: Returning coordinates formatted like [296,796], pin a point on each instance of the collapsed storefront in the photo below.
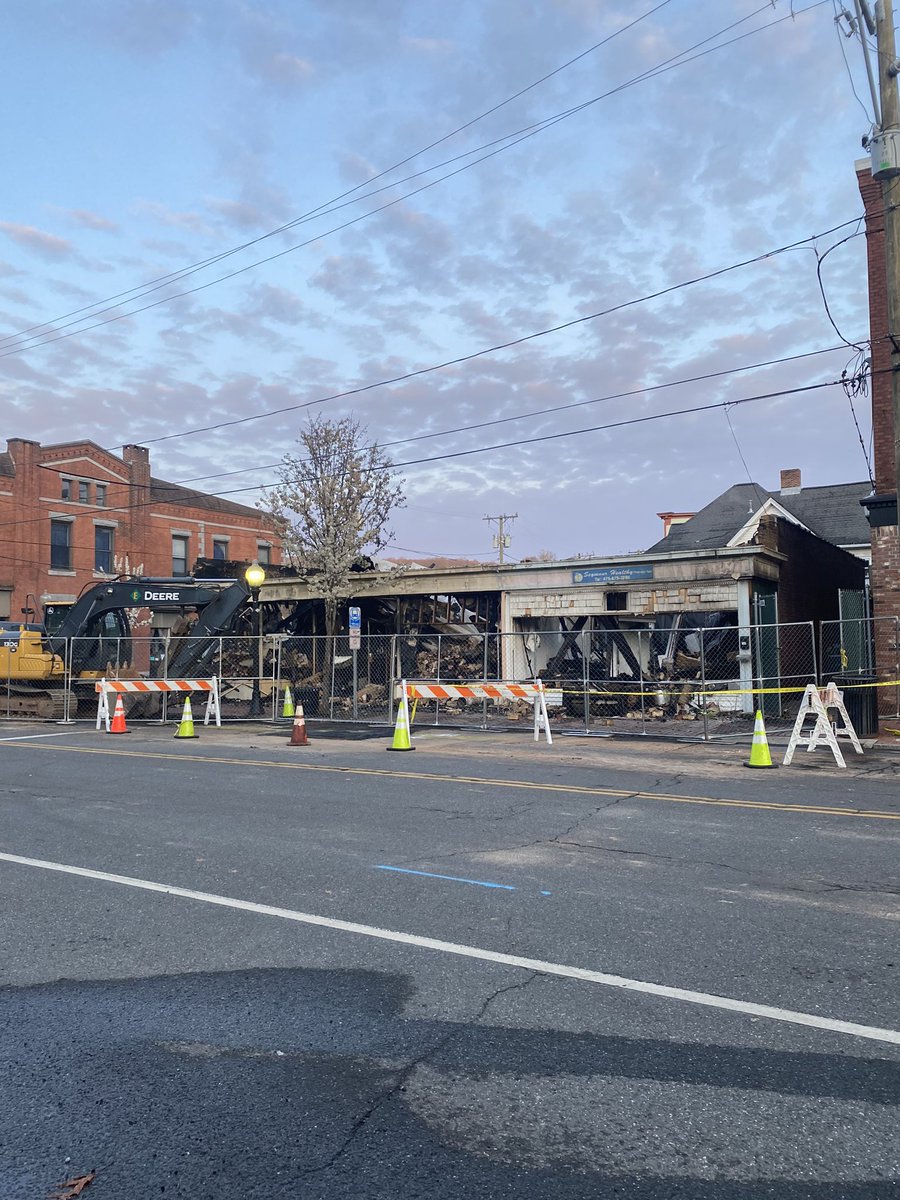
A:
[650,635]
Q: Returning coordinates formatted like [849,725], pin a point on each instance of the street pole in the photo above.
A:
[501,539]
[255,577]
[255,706]
[890,192]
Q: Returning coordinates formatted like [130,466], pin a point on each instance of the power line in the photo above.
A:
[694,409]
[327,205]
[549,437]
[510,140]
[174,485]
[542,412]
[470,357]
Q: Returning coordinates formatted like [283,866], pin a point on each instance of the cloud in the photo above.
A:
[47,245]
[91,220]
[239,214]
[424,45]
[145,28]
[191,221]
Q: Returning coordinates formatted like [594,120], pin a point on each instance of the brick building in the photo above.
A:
[882,506]
[74,514]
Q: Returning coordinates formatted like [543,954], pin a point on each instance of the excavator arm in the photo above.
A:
[216,605]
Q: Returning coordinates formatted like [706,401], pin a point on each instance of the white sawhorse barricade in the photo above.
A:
[107,687]
[534,693]
[816,703]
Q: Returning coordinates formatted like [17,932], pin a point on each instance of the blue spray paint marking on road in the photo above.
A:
[546,893]
[506,887]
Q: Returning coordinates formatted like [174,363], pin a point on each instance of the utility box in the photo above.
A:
[884,148]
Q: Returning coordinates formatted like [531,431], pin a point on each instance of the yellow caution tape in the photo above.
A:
[697,689]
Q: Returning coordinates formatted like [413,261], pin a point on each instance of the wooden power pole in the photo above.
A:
[501,539]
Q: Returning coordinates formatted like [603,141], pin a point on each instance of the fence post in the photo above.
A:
[484,675]
[585,698]
[67,718]
[437,703]
[393,651]
[703,684]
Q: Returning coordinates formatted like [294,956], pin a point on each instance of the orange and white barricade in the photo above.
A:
[118,687]
[533,692]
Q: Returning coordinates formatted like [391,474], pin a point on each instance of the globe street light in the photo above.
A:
[255,577]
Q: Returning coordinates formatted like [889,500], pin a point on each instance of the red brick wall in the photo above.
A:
[142,527]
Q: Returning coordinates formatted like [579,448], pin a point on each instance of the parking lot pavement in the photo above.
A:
[488,968]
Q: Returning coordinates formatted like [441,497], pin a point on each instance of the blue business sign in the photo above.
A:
[636,574]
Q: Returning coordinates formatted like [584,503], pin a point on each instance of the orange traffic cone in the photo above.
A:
[298,729]
[118,721]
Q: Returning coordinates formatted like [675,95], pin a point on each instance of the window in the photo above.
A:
[103,549]
[616,601]
[262,553]
[65,489]
[84,492]
[100,495]
[60,546]
[179,554]
[220,549]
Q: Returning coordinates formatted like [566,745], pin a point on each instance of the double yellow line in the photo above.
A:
[867,814]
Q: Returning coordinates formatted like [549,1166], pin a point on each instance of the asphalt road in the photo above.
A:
[326,1007]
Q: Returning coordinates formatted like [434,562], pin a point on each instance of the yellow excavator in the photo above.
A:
[92,638]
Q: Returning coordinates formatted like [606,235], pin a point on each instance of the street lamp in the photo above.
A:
[255,577]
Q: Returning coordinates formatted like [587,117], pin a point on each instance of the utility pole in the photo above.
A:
[887,137]
[501,540]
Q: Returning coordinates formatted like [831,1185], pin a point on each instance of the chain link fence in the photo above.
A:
[681,679]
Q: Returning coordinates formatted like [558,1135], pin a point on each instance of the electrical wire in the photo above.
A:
[841,39]
[820,259]
[737,444]
[680,412]
[476,450]
[497,347]
[326,205]
[39,340]
[542,412]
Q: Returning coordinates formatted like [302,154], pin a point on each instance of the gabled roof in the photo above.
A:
[833,513]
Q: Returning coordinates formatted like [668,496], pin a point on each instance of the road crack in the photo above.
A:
[402,1076]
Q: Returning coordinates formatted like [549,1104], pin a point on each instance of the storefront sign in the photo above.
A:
[636,574]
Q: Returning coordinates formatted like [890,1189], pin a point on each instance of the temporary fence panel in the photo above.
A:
[677,681]
[865,650]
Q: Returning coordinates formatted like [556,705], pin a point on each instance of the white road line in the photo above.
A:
[32,737]
[872,1033]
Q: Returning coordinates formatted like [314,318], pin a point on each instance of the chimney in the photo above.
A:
[790,479]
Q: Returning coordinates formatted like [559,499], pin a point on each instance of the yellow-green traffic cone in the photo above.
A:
[288,709]
[401,729]
[759,750]
[186,727]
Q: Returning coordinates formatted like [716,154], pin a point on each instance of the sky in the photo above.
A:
[218,218]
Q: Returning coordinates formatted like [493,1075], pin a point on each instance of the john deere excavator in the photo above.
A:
[93,635]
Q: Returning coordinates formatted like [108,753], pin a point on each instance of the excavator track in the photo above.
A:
[38,703]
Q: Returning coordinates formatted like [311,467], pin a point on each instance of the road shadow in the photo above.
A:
[297,1082]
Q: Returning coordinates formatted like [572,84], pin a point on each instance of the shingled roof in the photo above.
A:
[173,493]
[833,513]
